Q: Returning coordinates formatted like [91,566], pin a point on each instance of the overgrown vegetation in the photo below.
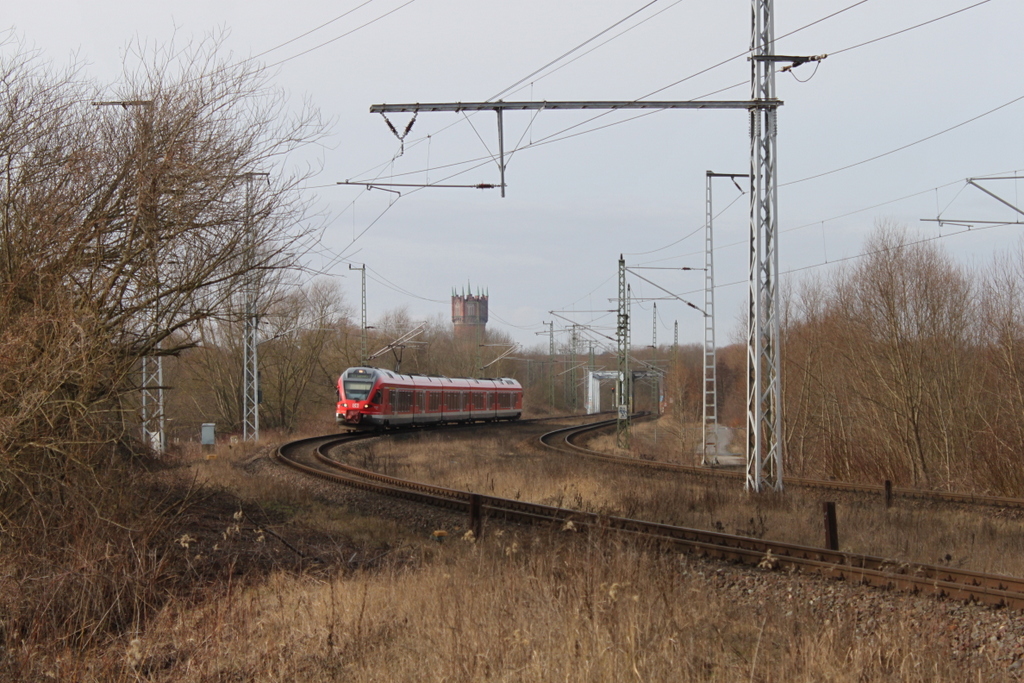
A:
[124,227]
[907,366]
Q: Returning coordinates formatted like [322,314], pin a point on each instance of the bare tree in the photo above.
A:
[124,228]
[298,328]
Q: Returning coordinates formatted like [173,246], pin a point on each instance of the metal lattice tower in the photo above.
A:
[551,358]
[573,348]
[250,335]
[710,419]
[152,417]
[362,309]
[623,391]
[250,372]
[709,453]
[630,379]
[154,422]
[654,327]
[764,395]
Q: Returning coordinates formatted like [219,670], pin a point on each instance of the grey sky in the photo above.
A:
[574,205]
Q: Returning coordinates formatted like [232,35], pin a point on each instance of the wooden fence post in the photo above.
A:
[831,531]
[475,518]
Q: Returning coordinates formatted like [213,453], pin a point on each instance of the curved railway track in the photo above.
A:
[864,569]
[566,440]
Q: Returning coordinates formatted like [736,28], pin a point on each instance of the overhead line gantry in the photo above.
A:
[764,394]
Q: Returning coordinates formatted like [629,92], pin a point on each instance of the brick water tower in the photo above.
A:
[469,315]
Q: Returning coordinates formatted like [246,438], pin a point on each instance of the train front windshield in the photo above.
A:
[357,389]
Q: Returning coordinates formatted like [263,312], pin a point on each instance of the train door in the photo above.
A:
[421,406]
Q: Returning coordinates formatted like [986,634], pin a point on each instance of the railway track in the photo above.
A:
[879,572]
[566,440]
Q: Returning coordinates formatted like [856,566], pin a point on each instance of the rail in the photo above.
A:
[880,572]
[572,434]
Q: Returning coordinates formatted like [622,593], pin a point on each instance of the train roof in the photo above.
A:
[429,380]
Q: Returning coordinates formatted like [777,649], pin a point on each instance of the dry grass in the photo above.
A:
[225,467]
[526,605]
[497,464]
[539,608]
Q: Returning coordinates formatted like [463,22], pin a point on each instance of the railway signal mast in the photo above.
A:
[764,444]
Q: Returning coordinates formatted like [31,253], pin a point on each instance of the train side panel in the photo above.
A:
[374,398]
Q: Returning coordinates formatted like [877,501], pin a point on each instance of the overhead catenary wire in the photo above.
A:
[312,30]
[906,146]
[416,141]
[648,95]
[569,52]
[343,35]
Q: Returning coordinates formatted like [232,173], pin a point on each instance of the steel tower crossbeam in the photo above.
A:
[608,104]
[764,395]
[500,106]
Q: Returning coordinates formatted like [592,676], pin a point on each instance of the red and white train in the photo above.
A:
[373,398]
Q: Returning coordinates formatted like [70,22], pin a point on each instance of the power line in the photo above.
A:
[401,290]
[548,139]
[555,136]
[600,45]
[906,146]
[559,136]
[343,35]
[312,30]
[909,28]
[688,235]
[569,52]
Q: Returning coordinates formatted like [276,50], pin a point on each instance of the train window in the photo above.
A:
[357,389]
[378,397]
[402,401]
